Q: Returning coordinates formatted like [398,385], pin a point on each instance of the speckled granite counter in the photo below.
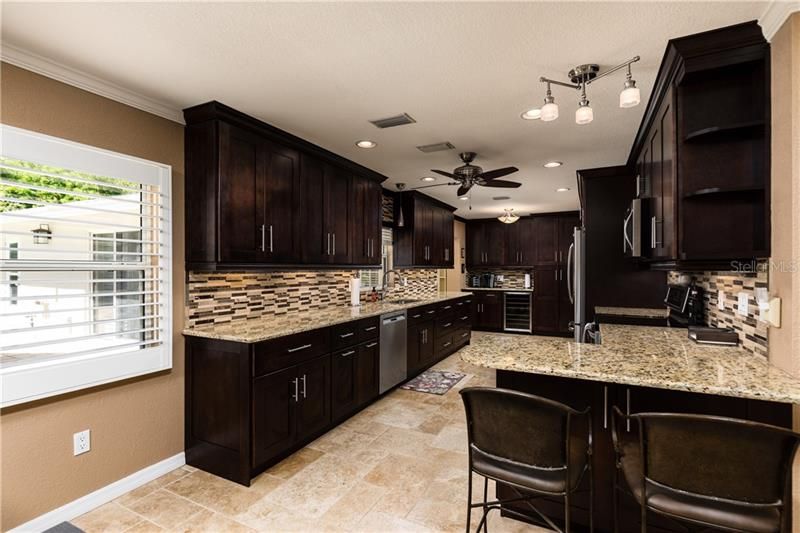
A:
[272,326]
[471,289]
[637,312]
[646,356]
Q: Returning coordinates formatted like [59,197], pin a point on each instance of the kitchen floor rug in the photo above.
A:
[434,381]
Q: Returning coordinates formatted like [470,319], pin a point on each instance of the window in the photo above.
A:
[374,277]
[86,241]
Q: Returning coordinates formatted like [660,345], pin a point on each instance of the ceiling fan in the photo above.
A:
[469,175]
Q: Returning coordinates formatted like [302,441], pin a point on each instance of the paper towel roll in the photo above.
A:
[527,281]
[355,292]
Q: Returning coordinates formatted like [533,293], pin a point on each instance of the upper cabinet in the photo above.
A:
[426,237]
[701,155]
[535,241]
[257,196]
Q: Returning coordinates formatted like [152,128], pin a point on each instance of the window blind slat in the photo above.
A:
[80,324]
[80,309]
[77,192]
[75,339]
[76,205]
[73,178]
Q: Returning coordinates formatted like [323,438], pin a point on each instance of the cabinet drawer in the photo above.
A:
[445,326]
[344,335]
[462,337]
[446,309]
[369,329]
[286,351]
[443,345]
[464,318]
[421,314]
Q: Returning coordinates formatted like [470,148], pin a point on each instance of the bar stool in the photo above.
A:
[705,471]
[528,443]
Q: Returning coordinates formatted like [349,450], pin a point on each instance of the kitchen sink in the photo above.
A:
[404,301]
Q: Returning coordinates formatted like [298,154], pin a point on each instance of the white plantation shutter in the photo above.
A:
[374,277]
[85,268]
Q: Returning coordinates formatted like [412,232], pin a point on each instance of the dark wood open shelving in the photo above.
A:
[713,133]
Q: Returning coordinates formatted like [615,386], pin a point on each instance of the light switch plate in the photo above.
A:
[721,300]
[743,307]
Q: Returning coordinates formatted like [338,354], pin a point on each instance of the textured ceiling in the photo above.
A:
[464,71]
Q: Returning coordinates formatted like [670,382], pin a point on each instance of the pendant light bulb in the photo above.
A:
[584,113]
[630,95]
[549,111]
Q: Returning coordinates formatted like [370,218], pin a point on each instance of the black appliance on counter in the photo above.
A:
[685,304]
[485,281]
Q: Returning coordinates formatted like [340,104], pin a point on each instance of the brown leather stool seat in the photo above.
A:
[533,445]
[707,471]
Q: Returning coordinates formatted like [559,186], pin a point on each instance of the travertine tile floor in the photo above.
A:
[399,465]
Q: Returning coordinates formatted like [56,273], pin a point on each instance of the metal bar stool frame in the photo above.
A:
[487,506]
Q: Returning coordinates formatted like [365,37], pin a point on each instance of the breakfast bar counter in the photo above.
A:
[657,357]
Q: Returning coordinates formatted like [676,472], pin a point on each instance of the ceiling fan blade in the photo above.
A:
[443,173]
[503,184]
[434,185]
[498,173]
[464,189]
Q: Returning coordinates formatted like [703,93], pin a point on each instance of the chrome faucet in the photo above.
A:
[385,278]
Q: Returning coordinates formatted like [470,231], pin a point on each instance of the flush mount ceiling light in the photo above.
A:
[508,217]
[562,189]
[581,76]
[463,198]
[532,114]
[553,164]
[366,144]
[428,178]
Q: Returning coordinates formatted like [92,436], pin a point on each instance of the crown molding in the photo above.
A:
[49,68]
[775,15]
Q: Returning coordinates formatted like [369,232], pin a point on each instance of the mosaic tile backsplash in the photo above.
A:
[753,334]
[214,297]
[512,279]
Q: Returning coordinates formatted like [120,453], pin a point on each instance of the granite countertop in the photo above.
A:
[273,326]
[638,312]
[470,289]
[658,357]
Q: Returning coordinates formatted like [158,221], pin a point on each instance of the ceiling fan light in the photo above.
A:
[465,197]
[508,217]
[630,95]
[584,113]
[428,178]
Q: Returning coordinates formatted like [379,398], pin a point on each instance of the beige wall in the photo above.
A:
[784,342]
[134,423]
[455,279]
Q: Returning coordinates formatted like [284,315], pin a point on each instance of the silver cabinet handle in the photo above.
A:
[628,408]
[416,316]
[447,325]
[270,238]
[424,336]
[555,256]
[465,334]
[372,345]
[347,354]
[464,317]
[334,244]
[299,348]
[432,311]
[448,343]
[296,395]
[263,247]
[328,249]
[345,335]
[556,273]
[605,407]
[446,307]
[304,386]
[372,328]
[653,233]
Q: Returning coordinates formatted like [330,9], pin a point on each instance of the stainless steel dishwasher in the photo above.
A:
[393,350]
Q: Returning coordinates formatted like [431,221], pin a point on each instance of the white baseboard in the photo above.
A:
[101,496]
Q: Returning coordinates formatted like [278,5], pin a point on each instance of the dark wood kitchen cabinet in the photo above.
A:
[546,300]
[520,244]
[435,331]
[702,152]
[601,398]
[487,310]
[354,373]
[426,237]
[486,241]
[419,347]
[544,230]
[260,196]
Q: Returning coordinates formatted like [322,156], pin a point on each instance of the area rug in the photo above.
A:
[434,382]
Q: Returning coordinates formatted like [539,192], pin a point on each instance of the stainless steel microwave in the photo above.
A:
[632,229]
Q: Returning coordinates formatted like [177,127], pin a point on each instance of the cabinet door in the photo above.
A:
[654,170]
[545,300]
[365,242]
[666,222]
[281,176]
[423,232]
[315,240]
[445,238]
[242,175]
[526,241]
[426,349]
[313,410]
[545,230]
[337,215]
[494,242]
[273,414]
[511,250]
[566,228]
[367,377]
[493,310]
[475,256]
[344,392]
[373,216]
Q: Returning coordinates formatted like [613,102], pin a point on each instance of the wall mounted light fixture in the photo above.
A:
[42,234]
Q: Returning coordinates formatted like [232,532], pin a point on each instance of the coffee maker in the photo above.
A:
[487,280]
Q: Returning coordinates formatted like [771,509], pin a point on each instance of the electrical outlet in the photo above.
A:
[81,442]
[743,306]
[721,300]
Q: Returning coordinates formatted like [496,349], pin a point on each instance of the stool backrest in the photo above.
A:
[522,427]
[719,457]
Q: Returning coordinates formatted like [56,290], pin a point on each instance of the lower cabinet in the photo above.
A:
[354,378]
[487,308]
[601,398]
[436,331]
[419,347]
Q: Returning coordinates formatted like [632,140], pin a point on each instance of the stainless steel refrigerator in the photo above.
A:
[576,281]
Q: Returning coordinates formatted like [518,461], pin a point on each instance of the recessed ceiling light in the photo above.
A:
[562,189]
[553,164]
[463,197]
[366,144]
[428,178]
[532,114]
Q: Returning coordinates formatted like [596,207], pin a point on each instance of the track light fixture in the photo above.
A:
[581,76]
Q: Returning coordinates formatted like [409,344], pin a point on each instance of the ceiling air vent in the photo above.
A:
[391,122]
[438,147]
[499,198]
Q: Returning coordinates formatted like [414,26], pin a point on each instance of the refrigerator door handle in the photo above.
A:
[626,242]
[570,288]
